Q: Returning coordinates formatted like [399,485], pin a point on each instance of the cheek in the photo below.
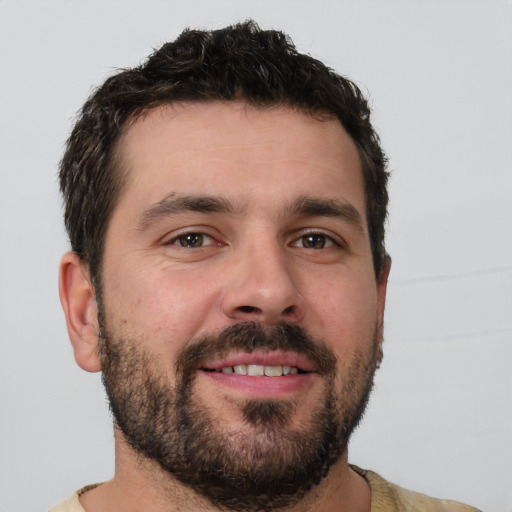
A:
[158,304]
[344,315]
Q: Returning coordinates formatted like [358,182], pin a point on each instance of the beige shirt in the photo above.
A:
[386,497]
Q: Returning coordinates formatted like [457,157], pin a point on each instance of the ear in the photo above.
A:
[78,300]
[382,284]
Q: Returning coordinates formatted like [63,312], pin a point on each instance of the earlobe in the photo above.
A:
[77,297]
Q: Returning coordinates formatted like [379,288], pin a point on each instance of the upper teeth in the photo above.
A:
[259,370]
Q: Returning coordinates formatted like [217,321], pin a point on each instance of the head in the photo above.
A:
[241,62]
[226,204]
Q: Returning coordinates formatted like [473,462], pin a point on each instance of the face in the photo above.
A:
[242,316]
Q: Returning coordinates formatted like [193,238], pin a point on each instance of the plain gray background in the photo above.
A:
[440,81]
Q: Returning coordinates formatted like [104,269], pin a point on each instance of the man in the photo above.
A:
[225,203]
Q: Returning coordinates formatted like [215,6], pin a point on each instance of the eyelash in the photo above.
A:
[327,240]
[175,240]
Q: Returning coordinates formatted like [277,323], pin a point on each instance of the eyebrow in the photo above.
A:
[324,207]
[173,204]
[306,206]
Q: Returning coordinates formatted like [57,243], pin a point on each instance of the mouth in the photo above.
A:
[261,374]
[259,363]
[258,370]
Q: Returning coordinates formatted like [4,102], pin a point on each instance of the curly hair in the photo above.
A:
[239,62]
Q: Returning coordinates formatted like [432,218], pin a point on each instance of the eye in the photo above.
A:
[191,240]
[314,241]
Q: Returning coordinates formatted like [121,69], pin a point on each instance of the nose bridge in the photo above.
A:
[263,285]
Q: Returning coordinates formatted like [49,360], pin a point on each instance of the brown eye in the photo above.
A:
[314,241]
[192,240]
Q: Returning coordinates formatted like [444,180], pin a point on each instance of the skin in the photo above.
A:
[254,265]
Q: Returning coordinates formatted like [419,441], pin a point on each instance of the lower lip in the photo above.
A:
[262,387]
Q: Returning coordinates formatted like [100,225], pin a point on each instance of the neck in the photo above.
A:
[140,484]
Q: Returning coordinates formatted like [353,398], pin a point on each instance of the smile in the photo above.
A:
[261,364]
[258,370]
[262,374]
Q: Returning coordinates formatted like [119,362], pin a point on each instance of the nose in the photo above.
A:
[263,287]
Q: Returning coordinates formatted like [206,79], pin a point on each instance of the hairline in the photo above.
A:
[120,171]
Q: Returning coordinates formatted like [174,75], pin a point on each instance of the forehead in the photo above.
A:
[233,149]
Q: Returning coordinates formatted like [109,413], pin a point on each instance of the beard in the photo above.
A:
[266,464]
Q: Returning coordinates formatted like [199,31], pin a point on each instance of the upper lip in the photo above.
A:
[261,357]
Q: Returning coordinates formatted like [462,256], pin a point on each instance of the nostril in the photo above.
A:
[249,309]
[289,310]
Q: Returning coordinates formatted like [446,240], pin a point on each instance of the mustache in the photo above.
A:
[251,336]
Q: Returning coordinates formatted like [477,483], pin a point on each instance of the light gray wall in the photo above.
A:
[440,79]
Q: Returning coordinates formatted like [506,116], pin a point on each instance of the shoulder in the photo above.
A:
[72,504]
[390,497]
